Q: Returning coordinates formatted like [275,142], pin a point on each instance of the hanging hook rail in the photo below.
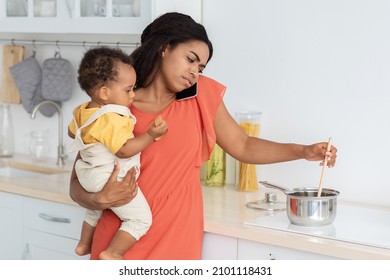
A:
[58,43]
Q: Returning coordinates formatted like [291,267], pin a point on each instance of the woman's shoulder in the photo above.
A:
[208,86]
[207,81]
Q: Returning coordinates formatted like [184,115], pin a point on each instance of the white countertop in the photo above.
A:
[225,209]
[53,186]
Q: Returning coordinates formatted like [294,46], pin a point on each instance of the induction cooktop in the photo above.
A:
[352,224]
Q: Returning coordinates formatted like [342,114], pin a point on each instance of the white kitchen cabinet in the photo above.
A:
[219,247]
[45,246]
[38,229]
[88,16]
[51,230]
[75,16]
[11,220]
[249,250]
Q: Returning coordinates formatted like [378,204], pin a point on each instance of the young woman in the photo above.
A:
[174,52]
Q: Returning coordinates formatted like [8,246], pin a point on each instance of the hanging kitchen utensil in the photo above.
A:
[304,208]
[27,76]
[57,79]
[12,54]
[324,168]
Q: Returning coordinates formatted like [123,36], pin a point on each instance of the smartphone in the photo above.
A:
[190,92]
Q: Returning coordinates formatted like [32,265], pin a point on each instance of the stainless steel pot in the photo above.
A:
[304,208]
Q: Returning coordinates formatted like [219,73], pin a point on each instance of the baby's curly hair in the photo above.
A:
[98,67]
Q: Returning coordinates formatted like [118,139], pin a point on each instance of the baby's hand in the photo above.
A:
[158,128]
[158,120]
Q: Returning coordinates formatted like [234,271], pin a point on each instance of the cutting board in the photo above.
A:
[12,54]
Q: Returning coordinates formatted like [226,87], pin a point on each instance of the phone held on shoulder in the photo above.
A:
[187,93]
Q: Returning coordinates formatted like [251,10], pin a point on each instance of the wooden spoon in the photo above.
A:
[324,167]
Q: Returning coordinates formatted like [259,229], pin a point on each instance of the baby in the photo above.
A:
[102,129]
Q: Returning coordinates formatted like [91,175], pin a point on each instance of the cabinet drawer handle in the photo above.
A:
[54,219]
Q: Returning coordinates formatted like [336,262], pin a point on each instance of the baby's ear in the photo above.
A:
[103,93]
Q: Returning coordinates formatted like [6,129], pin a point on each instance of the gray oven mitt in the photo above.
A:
[27,75]
[57,79]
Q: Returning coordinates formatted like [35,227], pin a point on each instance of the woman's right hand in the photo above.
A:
[113,194]
[117,193]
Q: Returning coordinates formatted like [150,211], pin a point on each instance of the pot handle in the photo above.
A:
[272,185]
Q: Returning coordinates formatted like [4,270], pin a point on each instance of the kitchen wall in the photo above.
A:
[314,68]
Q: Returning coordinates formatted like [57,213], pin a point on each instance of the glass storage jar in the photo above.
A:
[246,177]
[39,146]
[6,132]
[216,168]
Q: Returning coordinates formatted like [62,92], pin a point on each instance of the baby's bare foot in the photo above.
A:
[82,249]
[107,255]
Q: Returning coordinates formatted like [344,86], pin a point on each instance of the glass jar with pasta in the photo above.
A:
[246,178]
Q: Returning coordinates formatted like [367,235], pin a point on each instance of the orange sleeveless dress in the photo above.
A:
[170,179]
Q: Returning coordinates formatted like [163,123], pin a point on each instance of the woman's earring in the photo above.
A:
[163,54]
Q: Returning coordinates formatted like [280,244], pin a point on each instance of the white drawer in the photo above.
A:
[44,246]
[53,217]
